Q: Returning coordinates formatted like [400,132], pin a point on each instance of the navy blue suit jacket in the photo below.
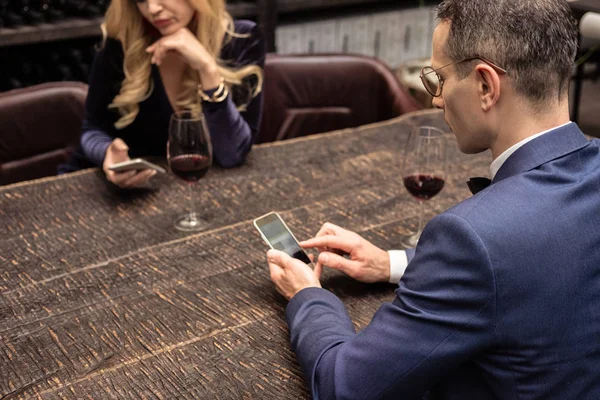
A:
[501,298]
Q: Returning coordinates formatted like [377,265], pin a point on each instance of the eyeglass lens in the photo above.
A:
[430,80]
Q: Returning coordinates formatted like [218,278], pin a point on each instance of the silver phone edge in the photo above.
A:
[311,264]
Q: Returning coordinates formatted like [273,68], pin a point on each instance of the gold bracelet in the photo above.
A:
[218,96]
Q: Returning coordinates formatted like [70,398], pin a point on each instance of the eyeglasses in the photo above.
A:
[433,82]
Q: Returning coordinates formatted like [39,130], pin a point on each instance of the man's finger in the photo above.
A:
[318,270]
[278,257]
[275,271]
[329,241]
[340,263]
[334,229]
[324,231]
[330,229]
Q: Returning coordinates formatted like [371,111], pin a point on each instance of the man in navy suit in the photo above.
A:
[501,297]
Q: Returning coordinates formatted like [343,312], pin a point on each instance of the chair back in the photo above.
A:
[307,94]
[40,125]
[589,27]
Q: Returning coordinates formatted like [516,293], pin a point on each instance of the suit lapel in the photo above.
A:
[548,147]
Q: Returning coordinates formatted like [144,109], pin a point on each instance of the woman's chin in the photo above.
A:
[168,29]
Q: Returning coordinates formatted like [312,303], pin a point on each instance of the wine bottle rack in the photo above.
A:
[37,51]
[67,29]
[84,27]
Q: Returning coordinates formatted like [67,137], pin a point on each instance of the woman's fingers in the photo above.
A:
[130,178]
[118,178]
[158,54]
[139,179]
[158,50]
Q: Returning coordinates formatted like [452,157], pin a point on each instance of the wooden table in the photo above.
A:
[100,297]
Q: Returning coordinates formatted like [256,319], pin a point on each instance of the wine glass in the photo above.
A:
[424,168]
[189,152]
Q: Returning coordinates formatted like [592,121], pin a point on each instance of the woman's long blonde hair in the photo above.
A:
[213,26]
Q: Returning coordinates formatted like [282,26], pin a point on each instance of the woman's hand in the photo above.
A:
[187,46]
[117,152]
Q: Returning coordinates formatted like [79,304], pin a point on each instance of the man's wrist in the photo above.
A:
[398,264]
[302,288]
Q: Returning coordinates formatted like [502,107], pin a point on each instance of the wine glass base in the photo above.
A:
[411,241]
[187,223]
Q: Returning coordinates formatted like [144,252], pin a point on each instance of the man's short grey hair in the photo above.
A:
[534,40]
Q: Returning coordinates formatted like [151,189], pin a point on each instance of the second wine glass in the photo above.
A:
[189,152]
[424,169]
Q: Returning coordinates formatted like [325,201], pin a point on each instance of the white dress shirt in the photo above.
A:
[398,258]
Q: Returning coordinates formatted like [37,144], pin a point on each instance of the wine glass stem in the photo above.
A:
[420,227]
[192,207]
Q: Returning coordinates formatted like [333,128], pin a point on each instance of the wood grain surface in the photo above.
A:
[100,297]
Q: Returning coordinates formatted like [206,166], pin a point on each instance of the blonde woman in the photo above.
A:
[165,55]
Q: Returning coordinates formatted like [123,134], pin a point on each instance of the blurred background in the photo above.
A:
[55,40]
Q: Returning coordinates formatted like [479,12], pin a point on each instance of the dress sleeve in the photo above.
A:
[106,76]
[233,132]
[443,314]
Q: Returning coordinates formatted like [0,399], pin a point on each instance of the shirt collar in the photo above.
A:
[497,163]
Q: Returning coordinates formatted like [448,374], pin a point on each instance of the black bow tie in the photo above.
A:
[478,183]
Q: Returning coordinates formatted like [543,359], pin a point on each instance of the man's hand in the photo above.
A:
[366,263]
[117,152]
[289,274]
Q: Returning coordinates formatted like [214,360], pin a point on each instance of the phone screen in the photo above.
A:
[280,238]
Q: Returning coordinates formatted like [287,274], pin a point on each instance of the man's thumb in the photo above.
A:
[277,257]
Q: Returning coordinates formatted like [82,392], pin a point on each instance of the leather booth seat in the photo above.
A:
[308,94]
[303,95]
[40,127]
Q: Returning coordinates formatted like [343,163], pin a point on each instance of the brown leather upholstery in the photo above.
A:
[307,94]
[40,125]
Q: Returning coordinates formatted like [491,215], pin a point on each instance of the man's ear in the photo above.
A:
[488,86]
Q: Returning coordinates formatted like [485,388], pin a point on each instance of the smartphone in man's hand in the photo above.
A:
[279,237]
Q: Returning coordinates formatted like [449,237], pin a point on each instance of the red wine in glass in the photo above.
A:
[423,187]
[189,152]
[423,169]
[190,167]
